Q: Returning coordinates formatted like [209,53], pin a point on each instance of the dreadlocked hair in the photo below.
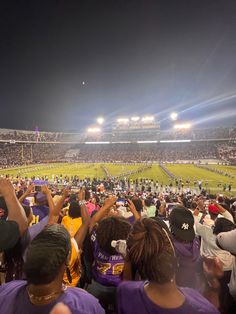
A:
[151,251]
[112,228]
[46,255]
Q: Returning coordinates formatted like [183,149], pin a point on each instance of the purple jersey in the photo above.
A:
[39,212]
[107,269]
[14,299]
[132,298]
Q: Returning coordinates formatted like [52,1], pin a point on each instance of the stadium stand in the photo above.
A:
[20,147]
[107,255]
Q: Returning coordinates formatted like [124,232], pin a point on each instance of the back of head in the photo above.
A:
[74,210]
[223,225]
[109,229]
[46,255]
[150,249]
[148,202]
[181,224]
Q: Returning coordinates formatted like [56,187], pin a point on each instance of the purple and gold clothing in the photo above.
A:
[14,299]
[132,298]
[107,269]
[39,212]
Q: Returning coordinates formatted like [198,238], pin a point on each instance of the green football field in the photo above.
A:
[211,181]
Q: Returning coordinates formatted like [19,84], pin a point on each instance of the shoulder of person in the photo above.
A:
[83,301]
[12,287]
[130,286]
[198,302]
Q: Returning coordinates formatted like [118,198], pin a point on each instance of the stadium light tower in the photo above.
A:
[182,126]
[135,119]
[100,120]
[174,116]
[148,119]
[123,120]
[94,130]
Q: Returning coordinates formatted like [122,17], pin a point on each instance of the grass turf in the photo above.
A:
[186,172]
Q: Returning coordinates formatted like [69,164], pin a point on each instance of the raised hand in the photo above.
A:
[66,192]
[45,189]
[30,188]
[81,194]
[6,187]
[131,206]
[109,202]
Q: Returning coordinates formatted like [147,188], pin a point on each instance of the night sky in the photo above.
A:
[135,57]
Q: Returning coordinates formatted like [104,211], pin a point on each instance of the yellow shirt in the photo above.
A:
[71,225]
[74,265]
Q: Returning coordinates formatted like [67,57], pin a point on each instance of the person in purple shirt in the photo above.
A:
[45,265]
[150,249]
[41,208]
[107,264]
[187,247]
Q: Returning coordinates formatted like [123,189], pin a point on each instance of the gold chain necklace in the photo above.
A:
[45,299]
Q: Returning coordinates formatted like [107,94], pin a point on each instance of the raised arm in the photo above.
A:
[102,212]
[54,210]
[15,211]
[27,193]
[133,210]
[82,232]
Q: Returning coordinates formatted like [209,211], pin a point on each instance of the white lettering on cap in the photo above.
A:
[185,226]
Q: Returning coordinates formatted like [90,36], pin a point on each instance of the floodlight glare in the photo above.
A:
[135,119]
[182,126]
[174,116]
[123,120]
[148,119]
[94,130]
[100,120]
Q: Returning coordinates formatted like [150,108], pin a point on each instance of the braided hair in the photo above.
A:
[112,228]
[151,251]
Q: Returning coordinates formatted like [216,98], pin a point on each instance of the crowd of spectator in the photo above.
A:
[18,154]
[120,135]
[129,250]
[227,153]
[115,245]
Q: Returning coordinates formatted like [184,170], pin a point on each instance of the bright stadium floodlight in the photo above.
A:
[135,119]
[100,120]
[148,119]
[123,120]
[174,116]
[94,130]
[182,126]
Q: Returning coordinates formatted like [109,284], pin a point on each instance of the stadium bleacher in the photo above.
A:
[19,147]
